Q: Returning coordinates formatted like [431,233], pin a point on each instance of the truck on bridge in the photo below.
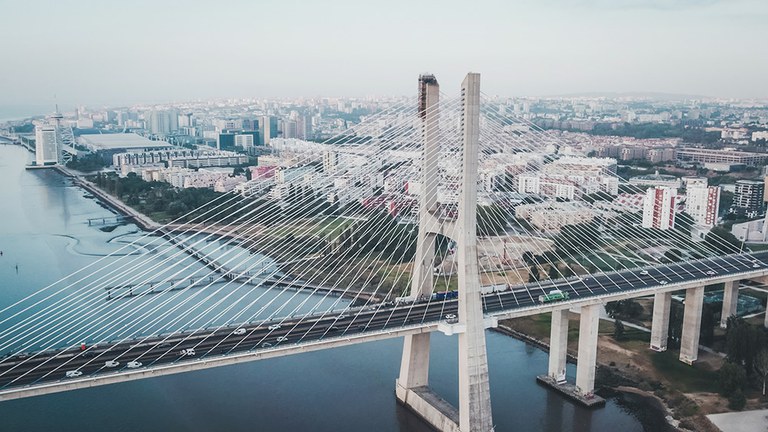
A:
[554,295]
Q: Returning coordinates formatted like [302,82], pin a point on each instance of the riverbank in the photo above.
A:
[686,394]
[648,408]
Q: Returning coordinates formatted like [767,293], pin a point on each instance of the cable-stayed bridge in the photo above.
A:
[372,237]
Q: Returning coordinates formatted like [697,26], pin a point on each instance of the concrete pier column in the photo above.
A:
[765,322]
[730,302]
[689,342]
[558,345]
[660,323]
[587,360]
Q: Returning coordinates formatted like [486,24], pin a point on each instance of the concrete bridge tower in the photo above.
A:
[474,411]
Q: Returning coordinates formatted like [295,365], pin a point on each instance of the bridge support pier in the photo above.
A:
[558,345]
[587,357]
[689,341]
[660,324]
[730,302]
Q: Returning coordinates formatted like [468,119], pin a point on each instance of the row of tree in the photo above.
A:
[746,347]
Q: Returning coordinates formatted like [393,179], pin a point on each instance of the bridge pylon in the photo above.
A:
[412,389]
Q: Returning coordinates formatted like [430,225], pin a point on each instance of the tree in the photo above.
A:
[723,240]
[618,330]
[742,342]
[761,366]
[578,238]
[707,330]
[491,220]
[730,378]
[623,308]
[673,255]
[675,331]
[737,401]
[528,258]
[533,273]
[554,273]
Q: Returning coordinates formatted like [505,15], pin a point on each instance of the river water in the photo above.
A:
[44,236]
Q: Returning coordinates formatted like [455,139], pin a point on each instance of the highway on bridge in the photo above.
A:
[66,366]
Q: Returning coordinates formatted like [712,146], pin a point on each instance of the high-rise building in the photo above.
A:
[47,145]
[267,128]
[748,198]
[244,141]
[702,203]
[48,141]
[330,161]
[290,129]
[659,208]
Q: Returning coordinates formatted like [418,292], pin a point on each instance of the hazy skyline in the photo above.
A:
[88,52]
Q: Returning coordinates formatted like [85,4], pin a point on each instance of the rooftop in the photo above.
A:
[119,141]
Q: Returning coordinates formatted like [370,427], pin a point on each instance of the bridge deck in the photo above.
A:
[39,373]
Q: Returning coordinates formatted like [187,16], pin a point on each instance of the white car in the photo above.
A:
[133,364]
[266,345]
[663,282]
[755,265]
[451,318]
[111,364]
[238,332]
[73,374]
[188,352]
[274,327]
[281,339]
[644,272]
[711,273]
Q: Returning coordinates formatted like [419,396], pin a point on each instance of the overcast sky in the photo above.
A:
[105,52]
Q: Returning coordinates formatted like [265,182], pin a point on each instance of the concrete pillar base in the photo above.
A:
[587,359]
[433,409]
[730,302]
[689,341]
[660,324]
[558,345]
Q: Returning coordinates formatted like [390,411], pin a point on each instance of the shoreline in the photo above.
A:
[658,408]
[148,225]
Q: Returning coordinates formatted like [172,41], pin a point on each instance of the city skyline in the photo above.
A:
[80,54]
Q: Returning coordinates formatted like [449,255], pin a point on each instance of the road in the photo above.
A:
[46,367]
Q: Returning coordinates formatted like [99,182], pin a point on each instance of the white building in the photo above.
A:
[245,141]
[551,217]
[47,145]
[702,204]
[659,208]
[758,135]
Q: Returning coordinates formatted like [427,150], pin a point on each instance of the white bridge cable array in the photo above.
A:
[586,249]
[377,286]
[702,247]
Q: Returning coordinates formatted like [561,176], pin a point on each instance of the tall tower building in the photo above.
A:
[290,129]
[702,203]
[48,141]
[265,127]
[659,208]
[748,199]
[46,145]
